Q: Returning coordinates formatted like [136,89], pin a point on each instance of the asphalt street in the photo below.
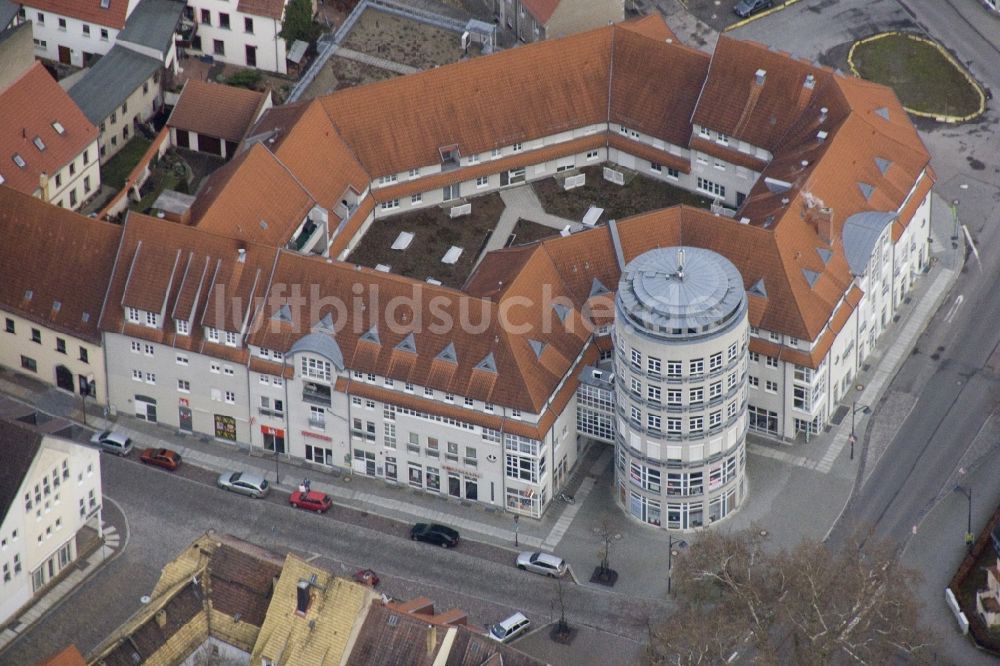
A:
[167,511]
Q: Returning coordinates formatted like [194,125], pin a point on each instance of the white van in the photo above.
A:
[509,629]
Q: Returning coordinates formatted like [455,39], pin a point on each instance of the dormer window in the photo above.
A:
[385,180]
[133,315]
[703,132]
[19,161]
[152,319]
[232,339]
[212,334]
[182,327]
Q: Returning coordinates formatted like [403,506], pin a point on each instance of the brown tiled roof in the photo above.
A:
[53,248]
[652,26]
[242,583]
[533,91]
[253,198]
[270,8]
[216,110]
[28,108]
[205,284]
[89,11]
[642,70]
[404,640]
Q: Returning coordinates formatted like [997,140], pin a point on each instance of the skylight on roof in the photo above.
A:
[866,190]
[38,143]
[19,161]
[57,126]
[105,4]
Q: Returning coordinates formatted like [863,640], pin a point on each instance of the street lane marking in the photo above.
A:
[954,308]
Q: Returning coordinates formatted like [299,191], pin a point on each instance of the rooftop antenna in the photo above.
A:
[680,263]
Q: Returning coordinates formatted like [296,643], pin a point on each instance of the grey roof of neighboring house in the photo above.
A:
[321,344]
[152,23]
[18,447]
[861,232]
[109,82]
[8,10]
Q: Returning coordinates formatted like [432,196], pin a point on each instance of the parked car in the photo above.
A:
[747,8]
[541,563]
[112,442]
[509,629]
[164,458]
[246,484]
[312,500]
[438,535]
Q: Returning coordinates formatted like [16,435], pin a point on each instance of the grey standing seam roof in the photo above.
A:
[153,23]
[109,82]
[321,344]
[681,292]
[861,232]
[18,447]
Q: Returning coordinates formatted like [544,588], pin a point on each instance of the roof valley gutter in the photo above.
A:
[619,255]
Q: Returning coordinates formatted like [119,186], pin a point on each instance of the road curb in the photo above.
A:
[755,17]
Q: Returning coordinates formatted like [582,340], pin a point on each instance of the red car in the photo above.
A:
[311,500]
[164,458]
[366,577]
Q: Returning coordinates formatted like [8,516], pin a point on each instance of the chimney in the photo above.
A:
[432,639]
[242,255]
[822,219]
[302,597]
[822,114]
[161,619]
[759,76]
[43,185]
[810,81]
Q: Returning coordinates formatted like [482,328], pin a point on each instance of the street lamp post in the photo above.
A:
[277,475]
[680,543]
[954,218]
[969,537]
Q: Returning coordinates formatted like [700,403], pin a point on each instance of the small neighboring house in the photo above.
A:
[48,148]
[17,54]
[535,20]
[51,304]
[213,118]
[117,94]
[50,507]
[244,35]
[71,31]
[125,87]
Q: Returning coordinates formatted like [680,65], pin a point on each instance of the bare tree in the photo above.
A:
[742,604]
[607,535]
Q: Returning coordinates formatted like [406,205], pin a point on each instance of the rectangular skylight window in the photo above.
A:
[105,4]
[19,161]
[38,143]
[57,126]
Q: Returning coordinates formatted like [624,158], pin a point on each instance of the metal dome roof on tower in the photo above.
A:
[681,292]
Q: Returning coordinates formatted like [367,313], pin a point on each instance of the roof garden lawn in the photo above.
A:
[923,77]
[639,194]
[526,231]
[116,170]
[434,233]
[403,40]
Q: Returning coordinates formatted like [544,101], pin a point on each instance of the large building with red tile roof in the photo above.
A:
[250,326]
[48,148]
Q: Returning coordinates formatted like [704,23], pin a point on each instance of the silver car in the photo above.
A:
[112,442]
[542,563]
[252,485]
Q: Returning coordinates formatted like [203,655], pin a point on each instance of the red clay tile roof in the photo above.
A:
[269,8]
[68,657]
[54,247]
[89,11]
[541,10]
[216,110]
[28,108]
